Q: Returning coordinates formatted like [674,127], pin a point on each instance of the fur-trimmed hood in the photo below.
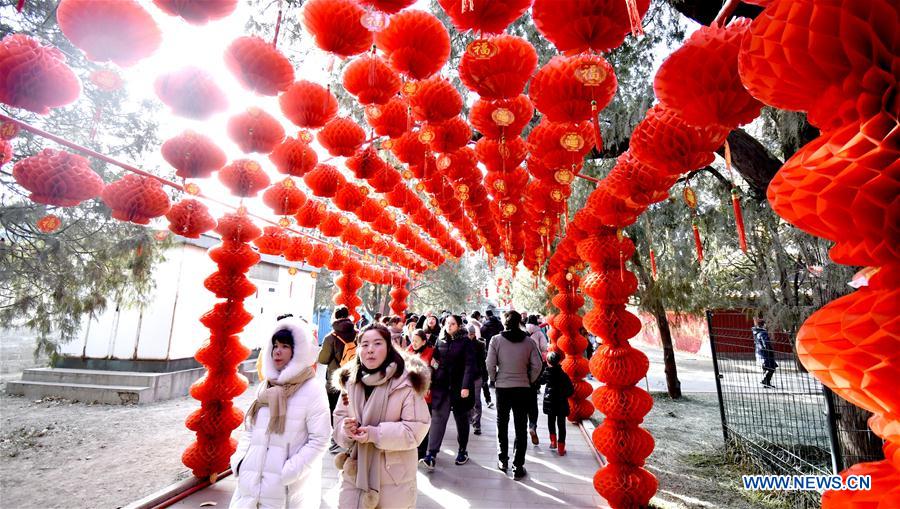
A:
[306,351]
[414,370]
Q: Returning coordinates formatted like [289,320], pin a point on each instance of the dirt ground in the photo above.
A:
[56,453]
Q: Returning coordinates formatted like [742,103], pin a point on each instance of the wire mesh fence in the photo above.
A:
[795,426]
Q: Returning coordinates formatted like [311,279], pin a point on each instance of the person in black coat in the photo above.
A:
[490,328]
[452,389]
[556,401]
[765,354]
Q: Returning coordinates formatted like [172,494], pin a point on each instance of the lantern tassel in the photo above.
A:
[653,264]
[697,242]
[634,16]
[20,5]
[595,120]
[277,26]
[739,219]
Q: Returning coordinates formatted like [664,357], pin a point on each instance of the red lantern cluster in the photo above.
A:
[843,187]
[217,417]
[398,296]
[118,30]
[136,198]
[35,77]
[58,178]
[348,284]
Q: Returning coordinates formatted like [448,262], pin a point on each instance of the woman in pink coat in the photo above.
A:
[381,417]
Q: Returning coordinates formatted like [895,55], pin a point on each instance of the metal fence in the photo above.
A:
[798,427]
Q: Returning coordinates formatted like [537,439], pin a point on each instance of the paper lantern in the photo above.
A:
[576,26]
[501,156]
[815,68]
[197,13]
[6,152]
[273,241]
[193,155]
[118,30]
[507,117]
[434,100]
[234,256]
[308,104]
[190,218]
[35,77]
[237,227]
[499,67]
[319,255]
[664,140]
[207,457]
[136,198]
[255,131]
[229,285]
[333,224]
[219,386]
[371,80]
[341,137]
[324,180]
[410,149]
[294,156]
[365,163]
[700,81]
[191,92]
[336,25]
[297,250]
[227,317]
[244,177]
[284,198]
[55,177]
[561,144]
[348,197]
[258,65]
[310,214]
[573,89]
[106,80]
[215,418]
[487,16]
[387,6]
[624,485]
[449,135]
[415,43]
[391,119]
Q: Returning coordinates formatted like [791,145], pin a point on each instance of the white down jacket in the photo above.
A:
[285,470]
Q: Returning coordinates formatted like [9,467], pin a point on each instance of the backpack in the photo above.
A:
[349,351]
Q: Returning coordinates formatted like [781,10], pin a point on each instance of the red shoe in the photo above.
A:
[552,441]
[561,448]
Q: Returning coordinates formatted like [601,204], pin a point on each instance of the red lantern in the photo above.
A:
[337,26]
[310,214]
[234,256]
[190,218]
[273,241]
[244,177]
[190,92]
[193,155]
[434,99]
[487,16]
[387,6]
[700,80]
[324,180]
[573,89]
[308,104]
[415,44]
[35,77]
[106,80]
[333,224]
[450,135]
[284,198]
[255,131]
[6,152]
[501,156]
[197,13]
[664,140]
[561,144]
[136,198]
[297,250]
[391,119]
[237,227]
[575,26]
[319,255]
[507,117]
[294,157]
[348,197]
[410,149]
[118,30]
[58,178]
[371,80]
[259,66]
[229,285]
[365,163]
[499,67]
[341,137]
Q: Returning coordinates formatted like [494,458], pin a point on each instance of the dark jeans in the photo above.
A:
[423,445]
[440,414]
[515,399]
[767,375]
[557,421]
[475,412]
[486,388]
[332,403]
[533,408]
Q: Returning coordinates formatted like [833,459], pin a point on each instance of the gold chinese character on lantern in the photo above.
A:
[344,221]
[192,189]
[564,177]
[426,135]
[557,195]
[284,222]
[388,144]
[444,162]
[410,87]
[481,49]
[374,21]
[420,187]
[508,210]
[543,231]
[503,117]
[590,74]
[8,130]
[48,223]
[500,186]
[462,188]
[572,142]
[288,183]
[292,270]
[373,110]
[690,198]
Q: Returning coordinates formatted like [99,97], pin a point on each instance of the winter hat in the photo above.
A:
[306,349]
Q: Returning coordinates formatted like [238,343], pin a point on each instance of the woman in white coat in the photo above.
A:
[278,462]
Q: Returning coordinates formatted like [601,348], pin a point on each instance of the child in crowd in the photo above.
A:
[556,401]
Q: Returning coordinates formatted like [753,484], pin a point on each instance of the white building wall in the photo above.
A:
[169,326]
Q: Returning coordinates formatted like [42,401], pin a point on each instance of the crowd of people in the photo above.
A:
[391,387]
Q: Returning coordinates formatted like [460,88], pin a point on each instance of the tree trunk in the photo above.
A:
[673,385]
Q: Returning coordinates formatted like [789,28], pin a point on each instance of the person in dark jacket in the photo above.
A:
[556,401]
[432,329]
[332,350]
[490,328]
[480,357]
[765,355]
[514,364]
[419,346]
[452,389]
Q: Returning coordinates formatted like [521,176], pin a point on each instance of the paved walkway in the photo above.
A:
[552,481]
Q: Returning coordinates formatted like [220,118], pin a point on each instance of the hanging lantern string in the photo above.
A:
[138,171]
